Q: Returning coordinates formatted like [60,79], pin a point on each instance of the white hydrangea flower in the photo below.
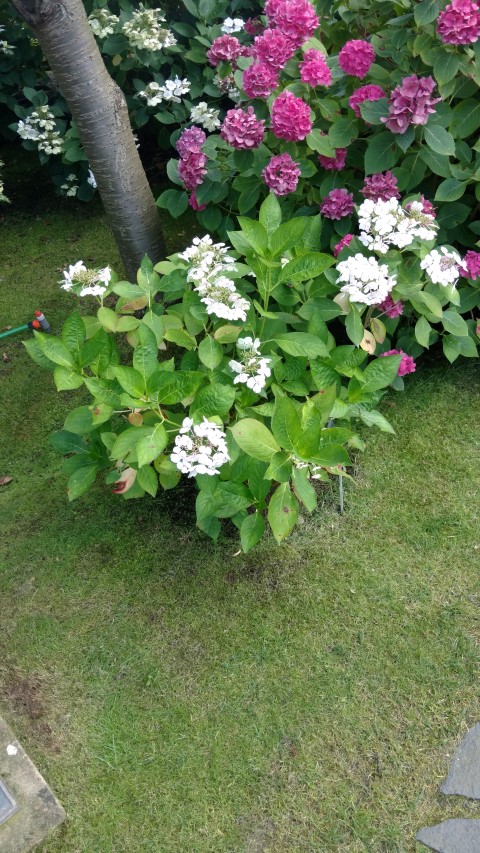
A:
[385,223]
[6,48]
[91,179]
[366,280]
[443,266]
[205,116]
[40,127]
[103,24]
[70,186]
[221,298]
[172,90]
[143,30]
[253,370]
[71,273]
[232,25]
[200,448]
[208,261]
[92,282]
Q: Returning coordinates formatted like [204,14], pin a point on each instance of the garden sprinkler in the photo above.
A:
[40,323]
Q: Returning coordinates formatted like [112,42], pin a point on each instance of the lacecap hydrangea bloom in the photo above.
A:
[362,94]
[407,364]
[91,282]
[281,174]
[232,25]
[443,266]
[103,24]
[356,57]
[459,22]
[411,103]
[334,164]
[200,448]
[337,204]
[365,280]
[314,69]
[290,117]
[296,19]
[206,116]
[144,32]
[242,129]
[208,263]
[39,127]
[172,90]
[70,185]
[381,186]
[273,48]
[384,223]
[253,370]
[259,80]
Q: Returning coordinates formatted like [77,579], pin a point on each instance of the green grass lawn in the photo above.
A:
[181,699]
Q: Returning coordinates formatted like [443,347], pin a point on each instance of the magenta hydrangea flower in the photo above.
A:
[334,164]
[290,117]
[259,80]
[459,23]
[390,307]
[190,141]
[273,48]
[192,169]
[314,70]
[337,204]
[471,264]
[411,103]
[365,93]
[295,18]
[342,244]
[356,57]
[281,174]
[382,186]
[253,26]
[407,364]
[193,202]
[242,129]
[224,49]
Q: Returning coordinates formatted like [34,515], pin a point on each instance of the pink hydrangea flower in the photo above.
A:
[334,164]
[411,103]
[273,48]
[365,93]
[356,57]
[342,244]
[337,204]
[192,169]
[290,117]
[390,307]
[471,264]
[295,18]
[242,129]
[382,186]
[190,141]
[459,23]
[224,49]
[281,174]
[193,202]
[314,70]
[407,364]
[259,80]
[253,26]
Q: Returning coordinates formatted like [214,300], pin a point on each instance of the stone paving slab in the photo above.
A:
[38,810]
[460,835]
[464,774]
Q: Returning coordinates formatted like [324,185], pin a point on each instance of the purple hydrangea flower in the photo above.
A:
[281,174]
[411,103]
[337,204]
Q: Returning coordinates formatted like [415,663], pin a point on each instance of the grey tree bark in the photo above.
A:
[101,115]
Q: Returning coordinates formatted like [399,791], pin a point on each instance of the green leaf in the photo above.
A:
[445,67]
[210,353]
[308,266]
[422,332]
[254,439]
[455,346]
[79,420]
[181,338]
[454,323]
[323,375]
[288,235]
[374,418]
[251,531]
[439,164]
[175,201]
[145,353]
[227,334]
[81,480]
[67,442]
[282,512]
[426,11]
[255,234]
[270,215]
[55,350]
[381,154]
[303,488]
[36,354]
[286,426]
[168,473]
[107,318]
[439,139]
[354,325]
[102,390]
[280,467]
[74,332]
[433,305]
[373,111]
[151,444]
[172,387]
[381,372]
[465,118]
[131,380]
[148,280]
[319,142]
[147,480]
[301,344]
[343,131]
[127,441]
[232,498]
[66,379]
[450,190]
[214,399]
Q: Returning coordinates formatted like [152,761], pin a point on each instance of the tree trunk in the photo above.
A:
[101,115]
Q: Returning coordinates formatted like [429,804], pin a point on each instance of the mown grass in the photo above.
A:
[180,699]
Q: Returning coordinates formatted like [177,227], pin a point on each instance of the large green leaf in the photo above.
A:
[214,399]
[79,420]
[439,139]
[66,379]
[288,235]
[147,479]
[131,380]
[210,352]
[301,344]
[381,372]
[68,442]
[254,233]
[303,488]
[151,444]
[286,426]
[172,387]
[255,439]
[282,512]
[145,353]
[453,323]
[354,325]
[308,266]
[55,350]
[251,531]
[381,154]
[127,441]
[270,215]
[74,332]
[81,480]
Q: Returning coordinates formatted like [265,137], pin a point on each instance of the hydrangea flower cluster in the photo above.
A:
[144,32]
[225,49]
[6,48]
[381,186]
[314,69]
[171,90]
[192,164]
[200,448]
[365,93]
[232,25]
[40,127]
[206,116]
[217,292]
[471,264]
[91,282]
[342,244]
[366,281]
[391,308]
[91,179]
[443,266]
[385,223]
[273,48]
[253,370]
[334,164]
[459,23]
[260,80]
[407,364]
[281,174]
[290,117]
[356,57]
[337,204]
[70,187]
[296,19]
[103,24]
[410,103]
[242,129]
[254,26]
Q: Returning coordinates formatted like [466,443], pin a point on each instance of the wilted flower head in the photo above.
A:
[290,117]
[411,103]
[407,364]
[242,129]
[365,93]
[253,26]
[459,23]
[314,69]
[356,57]
[337,204]
[281,174]
[366,281]
[259,80]
[273,48]
[380,186]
